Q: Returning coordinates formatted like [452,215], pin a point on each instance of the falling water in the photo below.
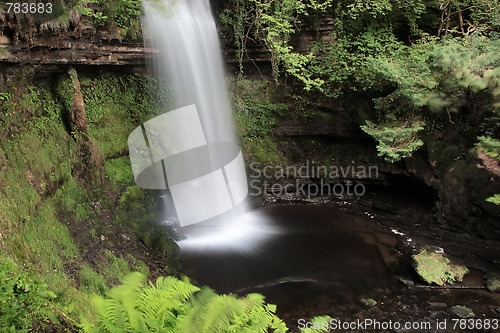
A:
[185,35]
[206,178]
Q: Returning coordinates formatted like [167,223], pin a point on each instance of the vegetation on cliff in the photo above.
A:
[421,62]
[58,230]
[428,71]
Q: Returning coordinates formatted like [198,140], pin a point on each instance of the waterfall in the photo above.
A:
[185,36]
[192,149]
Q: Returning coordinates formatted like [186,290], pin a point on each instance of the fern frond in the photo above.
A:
[176,306]
[162,303]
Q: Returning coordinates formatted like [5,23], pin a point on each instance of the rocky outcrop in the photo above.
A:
[329,133]
[91,162]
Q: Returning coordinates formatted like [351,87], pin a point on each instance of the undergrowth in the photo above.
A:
[46,212]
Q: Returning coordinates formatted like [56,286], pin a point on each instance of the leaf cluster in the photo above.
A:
[23,301]
[124,14]
[395,141]
[173,305]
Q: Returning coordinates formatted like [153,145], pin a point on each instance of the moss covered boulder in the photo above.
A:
[433,267]
[493,282]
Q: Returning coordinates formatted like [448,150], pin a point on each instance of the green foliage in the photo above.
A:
[273,22]
[72,199]
[41,202]
[257,112]
[495,199]
[23,300]
[433,267]
[122,103]
[125,14]
[172,305]
[345,64]
[92,282]
[90,8]
[489,146]
[395,141]
[484,16]
[119,171]
[255,106]
[5,96]
[132,199]
[440,74]
[441,77]
[113,268]
[387,51]
[356,15]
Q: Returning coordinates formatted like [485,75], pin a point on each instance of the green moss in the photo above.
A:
[115,268]
[263,149]
[132,198]
[4,53]
[121,103]
[92,282]
[368,302]
[41,200]
[119,171]
[65,90]
[493,282]
[433,267]
[72,199]
[462,311]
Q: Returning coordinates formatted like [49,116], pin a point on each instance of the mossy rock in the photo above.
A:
[368,302]
[462,311]
[493,283]
[434,268]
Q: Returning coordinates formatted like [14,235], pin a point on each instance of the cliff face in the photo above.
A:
[331,131]
[51,46]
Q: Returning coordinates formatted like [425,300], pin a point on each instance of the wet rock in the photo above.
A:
[368,302]
[434,268]
[462,311]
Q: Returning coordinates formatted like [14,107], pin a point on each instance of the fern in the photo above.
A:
[172,305]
